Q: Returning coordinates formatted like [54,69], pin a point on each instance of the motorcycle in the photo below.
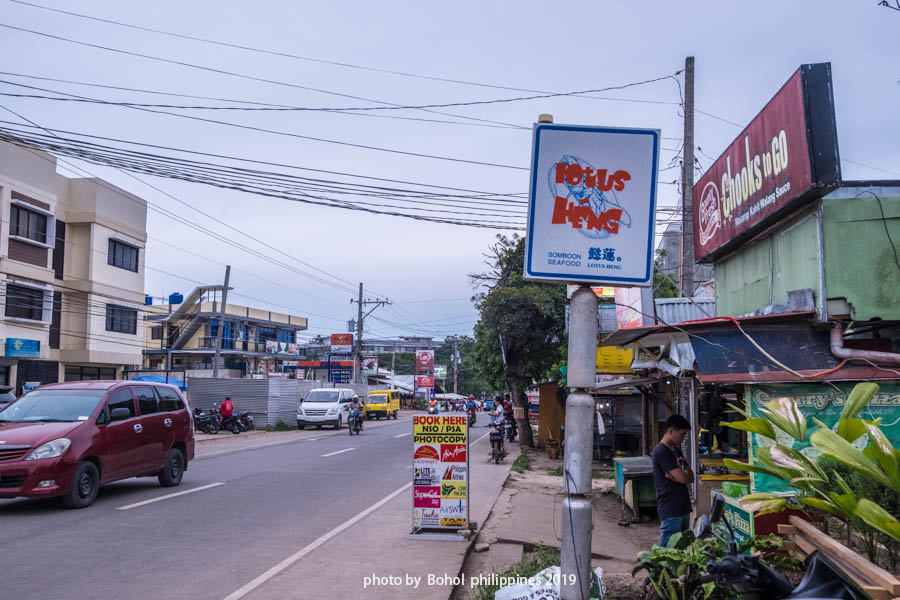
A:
[432,409]
[354,422]
[498,448]
[205,423]
[752,579]
[471,414]
[510,427]
[245,420]
[230,423]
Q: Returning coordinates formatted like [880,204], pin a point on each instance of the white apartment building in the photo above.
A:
[71,273]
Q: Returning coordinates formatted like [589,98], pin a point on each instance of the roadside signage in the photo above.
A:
[369,365]
[440,371]
[424,381]
[592,204]
[440,472]
[23,348]
[787,156]
[341,343]
[424,361]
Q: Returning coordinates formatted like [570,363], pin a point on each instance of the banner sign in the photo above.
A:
[23,348]
[273,347]
[785,157]
[424,381]
[592,204]
[440,472]
[825,403]
[629,309]
[440,371]
[369,366]
[341,343]
[602,292]
[424,361]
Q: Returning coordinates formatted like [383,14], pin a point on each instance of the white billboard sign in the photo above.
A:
[592,204]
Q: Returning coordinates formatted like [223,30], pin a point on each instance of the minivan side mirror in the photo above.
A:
[120,414]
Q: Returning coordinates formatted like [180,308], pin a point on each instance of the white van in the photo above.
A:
[324,406]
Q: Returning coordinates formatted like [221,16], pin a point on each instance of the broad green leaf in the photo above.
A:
[825,505]
[756,425]
[878,518]
[859,397]
[739,410]
[786,457]
[785,415]
[739,466]
[833,445]
[846,502]
[708,589]
[884,452]
[851,429]
[764,503]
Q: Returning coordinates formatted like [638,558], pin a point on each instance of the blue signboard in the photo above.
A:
[23,348]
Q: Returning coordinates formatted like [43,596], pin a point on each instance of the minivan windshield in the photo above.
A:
[322,396]
[58,406]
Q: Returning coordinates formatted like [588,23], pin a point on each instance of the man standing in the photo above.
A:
[671,475]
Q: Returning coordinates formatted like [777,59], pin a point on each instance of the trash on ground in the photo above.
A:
[545,586]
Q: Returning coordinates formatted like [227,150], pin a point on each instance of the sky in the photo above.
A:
[309,260]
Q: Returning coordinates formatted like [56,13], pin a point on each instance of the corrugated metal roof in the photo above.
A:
[677,310]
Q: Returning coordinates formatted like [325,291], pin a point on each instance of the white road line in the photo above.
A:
[403,434]
[338,452]
[481,438]
[313,440]
[290,560]
[166,497]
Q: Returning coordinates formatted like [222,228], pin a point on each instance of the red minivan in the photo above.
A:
[68,439]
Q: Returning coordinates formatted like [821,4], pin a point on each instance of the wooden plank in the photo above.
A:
[877,593]
[785,529]
[804,544]
[846,557]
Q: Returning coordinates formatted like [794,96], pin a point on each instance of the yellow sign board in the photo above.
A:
[614,360]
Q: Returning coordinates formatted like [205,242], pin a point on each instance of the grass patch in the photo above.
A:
[522,463]
[530,565]
[595,473]
[281,426]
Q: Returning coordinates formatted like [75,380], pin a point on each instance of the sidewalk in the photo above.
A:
[529,513]
[378,546]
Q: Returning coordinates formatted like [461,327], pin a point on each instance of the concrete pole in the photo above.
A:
[455,363]
[357,360]
[687,184]
[221,326]
[577,515]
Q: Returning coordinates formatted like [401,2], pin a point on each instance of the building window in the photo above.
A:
[286,335]
[122,255]
[121,319]
[156,333]
[265,334]
[227,339]
[27,224]
[78,373]
[24,302]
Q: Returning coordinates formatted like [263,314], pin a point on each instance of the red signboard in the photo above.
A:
[341,342]
[424,381]
[425,361]
[786,156]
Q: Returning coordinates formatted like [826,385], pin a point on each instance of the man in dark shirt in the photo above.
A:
[672,474]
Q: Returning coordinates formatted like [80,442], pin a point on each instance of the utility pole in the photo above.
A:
[455,363]
[357,359]
[687,184]
[221,323]
[577,521]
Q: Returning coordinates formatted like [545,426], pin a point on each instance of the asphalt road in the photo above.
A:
[262,504]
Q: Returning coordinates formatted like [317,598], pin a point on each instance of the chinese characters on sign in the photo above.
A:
[440,472]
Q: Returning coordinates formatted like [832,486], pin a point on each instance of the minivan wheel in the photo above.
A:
[85,485]
[172,473]
[340,422]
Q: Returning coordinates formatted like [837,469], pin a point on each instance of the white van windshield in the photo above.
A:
[322,396]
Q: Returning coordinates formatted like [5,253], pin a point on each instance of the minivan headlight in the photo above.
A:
[333,410]
[51,449]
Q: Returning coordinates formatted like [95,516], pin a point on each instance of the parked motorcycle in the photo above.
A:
[471,414]
[752,579]
[245,420]
[205,423]
[498,448]
[231,423]
[510,427]
[354,422]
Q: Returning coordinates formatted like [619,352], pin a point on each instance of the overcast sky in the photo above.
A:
[744,52]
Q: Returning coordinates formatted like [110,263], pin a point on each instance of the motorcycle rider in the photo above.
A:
[357,405]
[470,405]
[508,414]
[497,413]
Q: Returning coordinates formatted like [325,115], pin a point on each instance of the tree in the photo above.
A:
[664,285]
[521,332]
[468,381]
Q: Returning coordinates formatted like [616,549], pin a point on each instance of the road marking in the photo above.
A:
[166,497]
[338,452]
[481,438]
[290,560]
[313,439]
[403,434]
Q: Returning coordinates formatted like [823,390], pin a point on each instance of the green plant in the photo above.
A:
[280,426]
[557,471]
[522,463]
[816,487]
[532,563]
